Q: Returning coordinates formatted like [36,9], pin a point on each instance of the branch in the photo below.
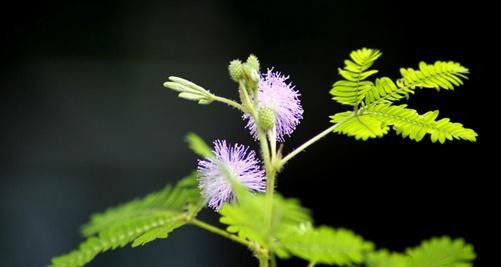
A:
[310,142]
[221,232]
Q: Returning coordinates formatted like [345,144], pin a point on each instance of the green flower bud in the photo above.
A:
[236,70]
[253,62]
[266,119]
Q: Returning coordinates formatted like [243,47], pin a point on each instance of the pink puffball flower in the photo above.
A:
[276,94]
[236,161]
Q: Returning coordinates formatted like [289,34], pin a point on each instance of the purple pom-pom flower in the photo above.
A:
[237,161]
[276,94]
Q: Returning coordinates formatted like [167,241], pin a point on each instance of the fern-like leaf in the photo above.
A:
[360,126]
[385,91]
[326,245]
[384,258]
[436,252]
[441,75]
[374,121]
[352,90]
[374,111]
[249,218]
[409,123]
[442,252]
[139,221]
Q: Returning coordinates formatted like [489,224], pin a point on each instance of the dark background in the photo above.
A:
[86,123]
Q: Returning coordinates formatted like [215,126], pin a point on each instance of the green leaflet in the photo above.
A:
[359,126]
[189,90]
[386,91]
[198,145]
[441,75]
[326,245]
[384,258]
[373,105]
[249,219]
[409,123]
[442,252]
[139,221]
[374,121]
[353,89]
[438,251]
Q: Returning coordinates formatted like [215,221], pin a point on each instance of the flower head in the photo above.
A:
[276,94]
[236,161]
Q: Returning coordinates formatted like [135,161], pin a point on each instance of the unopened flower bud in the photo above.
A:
[253,62]
[236,70]
[266,119]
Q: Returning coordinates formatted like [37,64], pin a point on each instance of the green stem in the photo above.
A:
[247,105]
[307,144]
[273,260]
[272,138]
[265,150]
[228,102]
[220,232]
[311,142]
[312,264]
[251,108]
[270,183]
[263,260]
[270,188]
[270,173]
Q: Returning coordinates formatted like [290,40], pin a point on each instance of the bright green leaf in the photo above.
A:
[198,145]
[384,258]
[442,252]
[249,218]
[326,245]
[441,75]
[359,126]
[138,221]
[352,90]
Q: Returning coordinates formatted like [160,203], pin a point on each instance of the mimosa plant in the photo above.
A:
[239,185]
